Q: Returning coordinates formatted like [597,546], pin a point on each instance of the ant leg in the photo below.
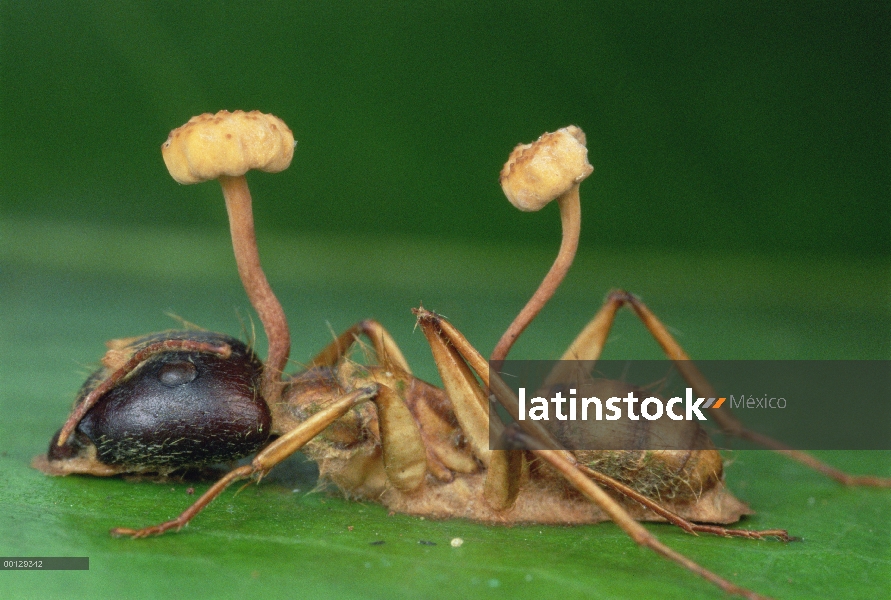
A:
[445,339]
[588,345]
[504,467]
[402,447]
[725,419]
[405,466]
[454,358]
[385,347]
[441,333]
[267,458]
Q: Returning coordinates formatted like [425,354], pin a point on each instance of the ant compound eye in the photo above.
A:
[179,373]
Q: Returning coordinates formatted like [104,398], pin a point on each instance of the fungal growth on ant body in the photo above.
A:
[180,399]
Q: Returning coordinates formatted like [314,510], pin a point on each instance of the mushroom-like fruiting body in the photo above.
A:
[537,173]
[551,168]
[225,146]
[231,144]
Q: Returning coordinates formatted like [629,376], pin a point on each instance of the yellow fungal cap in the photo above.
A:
[539,172]
[209,146]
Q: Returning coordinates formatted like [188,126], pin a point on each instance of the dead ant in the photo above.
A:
[178,399]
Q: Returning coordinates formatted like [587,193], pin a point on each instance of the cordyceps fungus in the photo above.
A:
[551,168]
[225,146]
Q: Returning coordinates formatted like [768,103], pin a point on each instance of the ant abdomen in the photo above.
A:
[173,399]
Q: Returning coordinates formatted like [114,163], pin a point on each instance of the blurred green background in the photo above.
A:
[749,127]
[741,187]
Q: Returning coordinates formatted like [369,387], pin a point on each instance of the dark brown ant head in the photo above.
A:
[164,402]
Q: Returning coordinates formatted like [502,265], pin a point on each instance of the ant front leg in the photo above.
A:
[589,344]
[403,452]
[265,460]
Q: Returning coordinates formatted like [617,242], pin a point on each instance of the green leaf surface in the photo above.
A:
[68,290]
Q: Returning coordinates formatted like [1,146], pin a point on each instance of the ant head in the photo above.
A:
[163,402]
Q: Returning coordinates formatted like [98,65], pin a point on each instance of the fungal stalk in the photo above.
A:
[535,174]
[225,146]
